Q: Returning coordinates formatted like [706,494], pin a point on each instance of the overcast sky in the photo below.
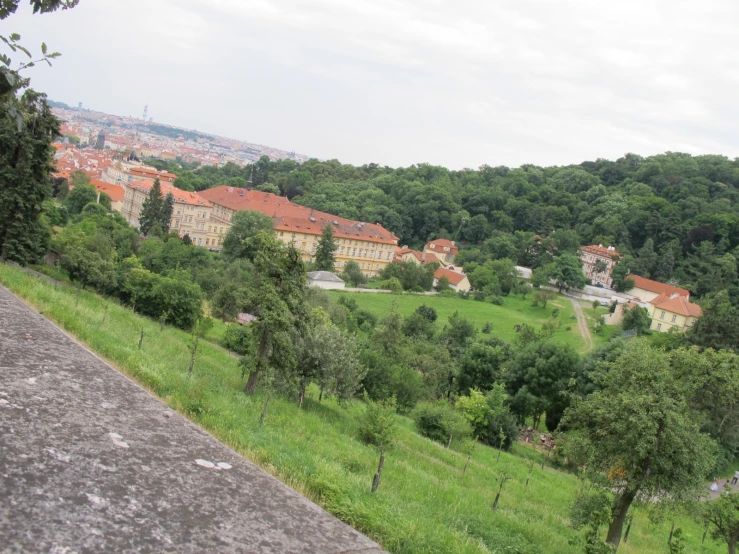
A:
[458,83]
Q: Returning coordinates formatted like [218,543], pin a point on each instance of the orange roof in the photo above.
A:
[115,192]
[453,277]
[677,305]
[600,250]
[422,257]
[152,174]
[440,244]
[180,196]
[656,286]
[295,218]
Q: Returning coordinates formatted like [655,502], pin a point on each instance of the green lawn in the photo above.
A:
[503,318]
[424,505]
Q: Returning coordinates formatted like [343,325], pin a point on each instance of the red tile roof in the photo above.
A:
[440,244]
[677,305]
[152,174]
[180,196]
[453,277]
[422,257]
[295,218]
[656,286]
[115,193]
[600,250]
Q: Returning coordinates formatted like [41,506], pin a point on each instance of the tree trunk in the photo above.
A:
[528,477]
[320,395]
[79,290]
[251,383]
[378,475]
[264,411]
[672,531]
[732,545]
[495,502]
[705,532]
[192,358]
[105,313]
[449,442]
[499,452]
[466,464]
[628,528]
[301,396]
[141,341]
[618,515]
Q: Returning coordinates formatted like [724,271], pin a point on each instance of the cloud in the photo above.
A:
[458,83]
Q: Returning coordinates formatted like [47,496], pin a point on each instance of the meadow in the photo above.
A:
[503,319]
[425,503]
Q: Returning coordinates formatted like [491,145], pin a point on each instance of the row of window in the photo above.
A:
[662,316]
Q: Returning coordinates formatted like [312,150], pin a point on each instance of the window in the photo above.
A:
[662,315]
[674,318]
[659,327]
[206,242]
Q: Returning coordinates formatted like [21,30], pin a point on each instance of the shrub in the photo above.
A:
[497,300]
[488,328]
[504,421]
[236,339]
[427,312]
[439,422]
[364,316]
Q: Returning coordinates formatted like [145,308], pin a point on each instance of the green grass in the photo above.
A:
[424,505]
[503,318]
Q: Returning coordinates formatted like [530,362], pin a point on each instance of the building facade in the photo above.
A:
[370,245]
[673,312]
[598,263]
[457,281]
[647,290]
[190,215]
[445,250]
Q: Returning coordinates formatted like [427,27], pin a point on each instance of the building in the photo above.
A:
[406,255]
[116,194]
[598,263]
[324,280]
[672,311]
[443,249]
[370,245]
[190,216]
[457,281]
[646,289]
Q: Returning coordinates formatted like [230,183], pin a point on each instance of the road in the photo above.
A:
[91,462]
[582,323]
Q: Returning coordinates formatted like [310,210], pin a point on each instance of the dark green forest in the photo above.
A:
[674,217]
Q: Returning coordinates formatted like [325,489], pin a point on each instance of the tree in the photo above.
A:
[79,197]
[543,297]
[78,178]
[482,366]
[240,241]
[166,214]
[620,279]
[537,379]
[718,327]
[326,247]
[636,318]
[378,428]
[152,210]
[440,422]
[723,514]
[639,431]
[442,284]
[25,156]
[566,271]
[427,312]
[353,275]
[457,334]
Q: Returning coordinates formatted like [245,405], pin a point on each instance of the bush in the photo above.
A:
[427,312]
[488,328]
[438,421]
[363,316]
[393,285]
[236,339]
[506,422]
[154,295]
[478,295]
[497,300]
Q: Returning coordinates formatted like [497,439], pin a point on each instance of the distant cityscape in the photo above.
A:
[147,139]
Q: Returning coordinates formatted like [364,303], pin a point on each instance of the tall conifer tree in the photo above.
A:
[326,249]
[151,210]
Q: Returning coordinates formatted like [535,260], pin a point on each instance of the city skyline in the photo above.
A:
[398,82]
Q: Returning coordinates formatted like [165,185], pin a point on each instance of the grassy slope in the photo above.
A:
[424,504]
[503,318]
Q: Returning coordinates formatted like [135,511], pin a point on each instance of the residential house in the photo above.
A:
[190,216]
[370,245]
[457,281]
[444,249]
[406,255]
[672,311]
[646,289]
[324,280]
[598,263]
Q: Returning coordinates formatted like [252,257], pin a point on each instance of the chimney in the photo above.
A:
[674,295]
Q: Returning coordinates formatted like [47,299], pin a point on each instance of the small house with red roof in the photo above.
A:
[646,289]
[673,311]
[445,250]
[457,281]
[115,193]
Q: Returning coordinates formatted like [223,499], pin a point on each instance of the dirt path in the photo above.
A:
[582,323]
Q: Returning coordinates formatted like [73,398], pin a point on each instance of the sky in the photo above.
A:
[458,83]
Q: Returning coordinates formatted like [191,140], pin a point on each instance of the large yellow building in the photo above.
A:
[191,214]
[668,306]
[370,245]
